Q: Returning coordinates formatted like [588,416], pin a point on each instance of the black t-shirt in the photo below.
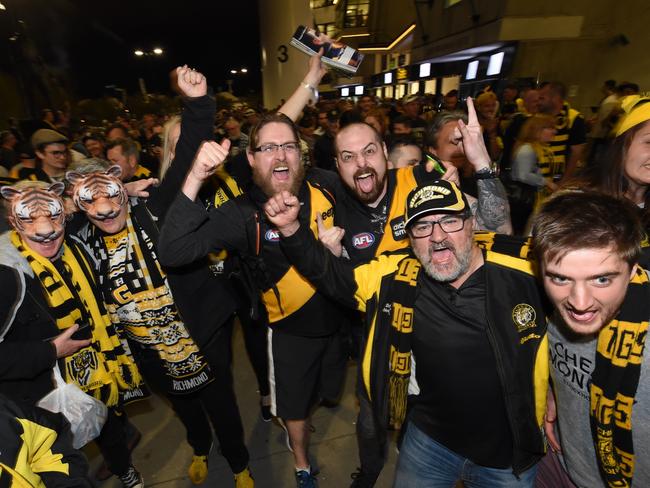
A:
[461,402]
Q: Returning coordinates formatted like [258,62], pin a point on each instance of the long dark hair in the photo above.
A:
[609,175]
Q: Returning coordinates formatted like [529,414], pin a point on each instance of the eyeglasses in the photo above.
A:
[289,147]
[449,225]
[58,154]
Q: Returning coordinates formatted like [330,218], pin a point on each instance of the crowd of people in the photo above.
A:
[482,260]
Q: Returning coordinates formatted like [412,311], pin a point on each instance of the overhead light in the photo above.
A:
[157,50]
[388,78]
[345,92]
[425,70]
[233,71]
[2,6]
[495,63]
[244,70]
[397,40]
[472,69]
[358,90]
[138,52]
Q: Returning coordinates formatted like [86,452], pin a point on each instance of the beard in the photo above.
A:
[270,187]
[449,271]
[363,190]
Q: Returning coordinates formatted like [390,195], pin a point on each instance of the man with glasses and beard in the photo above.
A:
[472,322]
[306,353]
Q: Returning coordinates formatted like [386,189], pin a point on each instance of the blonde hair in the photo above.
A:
[532,128]
[168,145]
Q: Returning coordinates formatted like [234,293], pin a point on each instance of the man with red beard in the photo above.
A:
[304,339]
[470,318]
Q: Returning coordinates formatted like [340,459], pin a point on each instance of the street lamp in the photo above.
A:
[138,52]
[244,70]
[233,71]
[157,51]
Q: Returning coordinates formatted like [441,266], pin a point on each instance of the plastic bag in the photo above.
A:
[86,414]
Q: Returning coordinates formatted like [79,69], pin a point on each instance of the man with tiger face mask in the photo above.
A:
[187,359]
[52,317]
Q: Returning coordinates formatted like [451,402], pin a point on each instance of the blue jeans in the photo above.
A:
[424,463]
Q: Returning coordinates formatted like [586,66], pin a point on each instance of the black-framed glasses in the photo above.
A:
[289,147]
[450,224]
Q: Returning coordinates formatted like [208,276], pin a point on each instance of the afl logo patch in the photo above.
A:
[523,315]
[272,235]
[363,240]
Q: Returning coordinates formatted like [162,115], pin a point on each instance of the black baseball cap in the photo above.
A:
[439,196]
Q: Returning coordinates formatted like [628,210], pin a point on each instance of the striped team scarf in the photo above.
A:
[614,382]
[103,368]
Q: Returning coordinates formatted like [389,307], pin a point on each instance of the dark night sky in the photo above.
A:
[94,41]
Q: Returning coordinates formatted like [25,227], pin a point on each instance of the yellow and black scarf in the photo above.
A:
[103,369]
[140,303]
[614,383]
[403,290]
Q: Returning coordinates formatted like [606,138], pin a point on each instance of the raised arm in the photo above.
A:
[492,210]
[197,123]
[307,88]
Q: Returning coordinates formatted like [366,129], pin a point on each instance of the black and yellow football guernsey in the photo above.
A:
[239,227]
[369,231]
[36,449]
[569,131]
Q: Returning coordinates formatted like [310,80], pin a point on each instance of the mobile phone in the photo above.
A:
[437,164]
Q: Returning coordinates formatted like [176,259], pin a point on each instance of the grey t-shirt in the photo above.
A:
[572,362]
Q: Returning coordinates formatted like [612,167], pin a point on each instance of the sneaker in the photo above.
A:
[362,480]
[132,479]
[244,479]
[305,479]
[198,470]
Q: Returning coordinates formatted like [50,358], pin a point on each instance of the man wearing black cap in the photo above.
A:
[474,324]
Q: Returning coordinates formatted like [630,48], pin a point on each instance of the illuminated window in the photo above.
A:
[472,69]
[356,13]
[425,70]
[358,90]
[494,66]
[388,78]
[345,92]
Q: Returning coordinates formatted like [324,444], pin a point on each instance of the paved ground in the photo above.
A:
[163,454]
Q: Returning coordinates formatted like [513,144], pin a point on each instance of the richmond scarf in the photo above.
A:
[614,383]
[103,368]
[139,299]
[403,293]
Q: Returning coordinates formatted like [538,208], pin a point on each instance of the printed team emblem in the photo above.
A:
[363,240]
[80,366]
[523,315]
[272,235]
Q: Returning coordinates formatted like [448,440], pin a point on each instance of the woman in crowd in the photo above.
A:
[531,168]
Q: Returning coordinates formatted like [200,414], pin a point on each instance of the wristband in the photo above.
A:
[485,174]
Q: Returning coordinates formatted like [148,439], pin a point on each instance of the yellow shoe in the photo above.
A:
[198,470]
[244,479]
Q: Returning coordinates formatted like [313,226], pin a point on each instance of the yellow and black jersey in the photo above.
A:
[370,232]
[141,173]
[570,130]
[36,449]
[238,226]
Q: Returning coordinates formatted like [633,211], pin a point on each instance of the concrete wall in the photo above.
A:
[278,22]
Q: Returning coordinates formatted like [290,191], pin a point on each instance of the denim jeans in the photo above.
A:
[424,463]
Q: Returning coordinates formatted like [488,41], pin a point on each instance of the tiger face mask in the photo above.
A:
[102,197]
[36,213]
